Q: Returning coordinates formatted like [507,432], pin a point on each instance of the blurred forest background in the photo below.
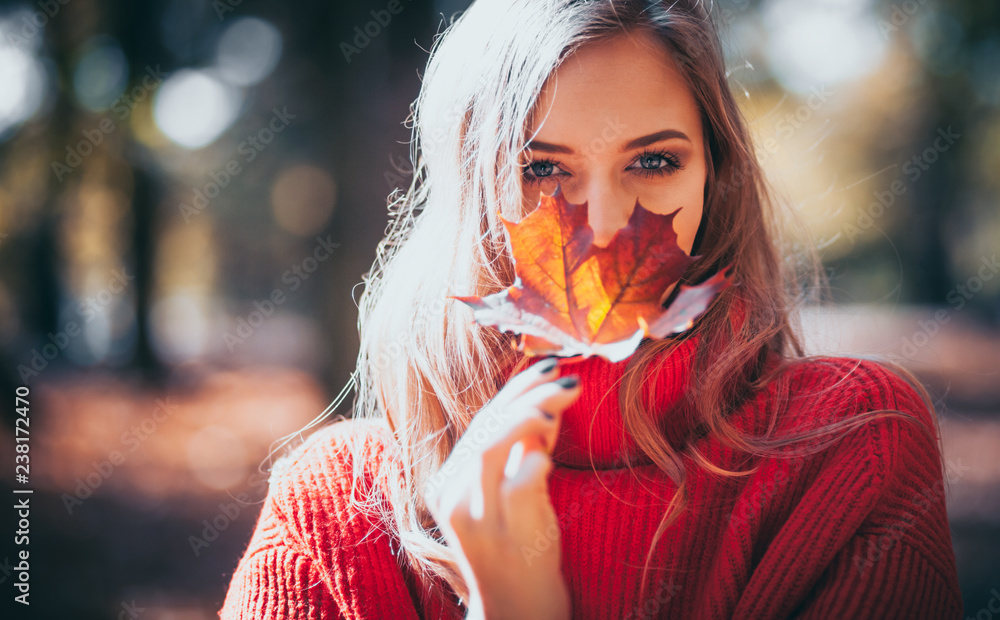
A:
[191,191]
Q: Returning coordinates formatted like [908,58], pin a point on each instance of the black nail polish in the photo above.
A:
[568,382]
[547,364]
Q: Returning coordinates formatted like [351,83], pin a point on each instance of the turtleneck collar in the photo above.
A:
[592,432]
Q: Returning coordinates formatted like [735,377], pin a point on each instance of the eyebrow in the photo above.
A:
[653,138]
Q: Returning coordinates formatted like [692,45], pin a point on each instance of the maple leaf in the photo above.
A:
[571,297]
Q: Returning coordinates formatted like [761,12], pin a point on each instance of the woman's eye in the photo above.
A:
[649,164]
[541,168]
[652,162]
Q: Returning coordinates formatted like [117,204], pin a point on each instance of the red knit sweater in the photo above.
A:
[856,531]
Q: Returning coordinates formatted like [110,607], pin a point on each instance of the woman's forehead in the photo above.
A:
[628,81]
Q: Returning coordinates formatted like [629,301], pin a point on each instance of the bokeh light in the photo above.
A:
[193,107]
[814,43]
[181,326]
[218,457]
[248,51]
[101,74]
[22,86]
[302,199]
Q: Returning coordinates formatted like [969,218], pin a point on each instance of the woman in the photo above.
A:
[716,474]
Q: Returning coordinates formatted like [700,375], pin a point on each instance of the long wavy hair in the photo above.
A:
[425,367]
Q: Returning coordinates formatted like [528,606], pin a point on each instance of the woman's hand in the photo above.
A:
[493,507]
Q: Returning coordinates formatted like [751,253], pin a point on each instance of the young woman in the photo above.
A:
[715,474]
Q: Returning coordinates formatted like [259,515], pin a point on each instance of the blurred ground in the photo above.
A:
[148,499]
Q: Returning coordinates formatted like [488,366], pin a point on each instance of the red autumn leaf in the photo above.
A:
[571,297]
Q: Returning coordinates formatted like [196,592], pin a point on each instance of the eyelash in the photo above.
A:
[673,164]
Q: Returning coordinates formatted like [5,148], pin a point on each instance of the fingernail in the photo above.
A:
[546,364]
[568,382]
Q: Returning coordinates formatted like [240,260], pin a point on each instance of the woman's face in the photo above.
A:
[618,123]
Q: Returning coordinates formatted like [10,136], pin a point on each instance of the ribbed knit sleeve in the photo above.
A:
[872,519]
[899,563]
[279,582]
[312,554]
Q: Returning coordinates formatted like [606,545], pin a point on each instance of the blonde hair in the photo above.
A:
[425,368]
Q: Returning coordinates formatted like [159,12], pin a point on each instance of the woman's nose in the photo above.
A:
[608,209]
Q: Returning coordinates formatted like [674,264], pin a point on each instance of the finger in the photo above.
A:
[457,518]
[554,407]
[520,471]
[539,372]
[493,420]
[524,500]
[520,448]
[554,404]
[537,412]
[495,432]
[548,397]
